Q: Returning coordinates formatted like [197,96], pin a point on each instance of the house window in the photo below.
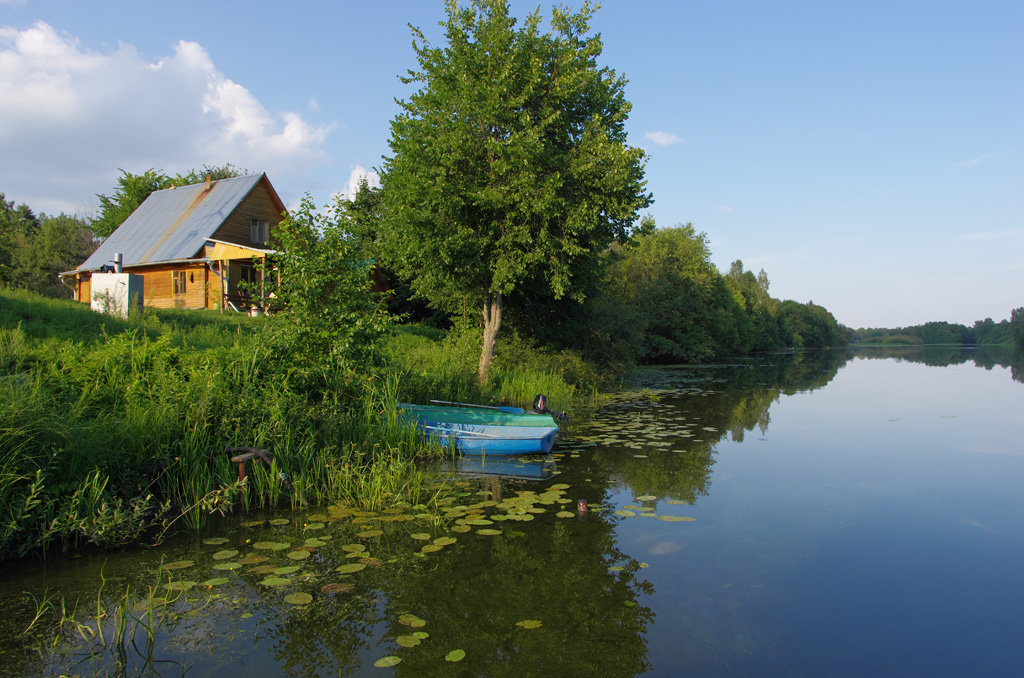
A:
[259,231]
[178,279]
[248,280]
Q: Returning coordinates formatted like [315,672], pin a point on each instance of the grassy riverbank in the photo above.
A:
[114,430]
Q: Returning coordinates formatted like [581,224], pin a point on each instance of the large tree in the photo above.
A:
[510,164]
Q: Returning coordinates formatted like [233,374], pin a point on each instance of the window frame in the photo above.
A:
[259,231]
[179,283]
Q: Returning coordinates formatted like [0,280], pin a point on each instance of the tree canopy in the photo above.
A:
[510,164]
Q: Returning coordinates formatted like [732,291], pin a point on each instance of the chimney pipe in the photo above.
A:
[207,182]
[118,258]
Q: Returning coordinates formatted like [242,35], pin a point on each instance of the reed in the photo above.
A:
[114,431]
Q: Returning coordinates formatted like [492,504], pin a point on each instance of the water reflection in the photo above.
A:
[987,357]
[645,465]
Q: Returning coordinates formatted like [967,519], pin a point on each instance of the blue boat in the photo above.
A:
[480,429]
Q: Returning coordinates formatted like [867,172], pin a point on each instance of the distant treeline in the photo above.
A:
[983,332]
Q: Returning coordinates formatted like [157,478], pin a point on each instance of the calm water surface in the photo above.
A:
[852,515]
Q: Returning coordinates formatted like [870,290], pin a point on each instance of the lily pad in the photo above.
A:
[263,569]
[407,641]
[275,581]
[350,568]
[455,656]
[227,566]
[624,513]
[178,565]
[565,514]
[488,532]
[412,620]
[369,534]
[385,662]
[314,526]
[529,624]
[676,519]
[461,528]
[646,497]
[216,581]
[371,561]
[298,555]
[287,569]
[253,560]
[337,588]
[298,598]
[422,635]
[421,536]
[445,541]
[179,585]
[314,543]
[224,555]
[280,521]
[214,541]
[251,523]
[353,548]
[430,548]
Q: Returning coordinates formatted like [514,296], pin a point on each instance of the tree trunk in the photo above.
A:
[492,323]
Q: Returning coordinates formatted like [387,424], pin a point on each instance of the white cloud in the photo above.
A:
[664,138]
[356,177]
[70,118]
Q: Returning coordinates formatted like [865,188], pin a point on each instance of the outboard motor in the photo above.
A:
[540,406]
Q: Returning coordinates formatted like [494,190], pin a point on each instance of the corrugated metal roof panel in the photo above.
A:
[173,223]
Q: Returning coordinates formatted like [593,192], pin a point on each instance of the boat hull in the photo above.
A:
[484,431]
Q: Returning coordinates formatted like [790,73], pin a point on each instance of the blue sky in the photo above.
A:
[867,155]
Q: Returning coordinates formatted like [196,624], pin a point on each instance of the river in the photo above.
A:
[846,513]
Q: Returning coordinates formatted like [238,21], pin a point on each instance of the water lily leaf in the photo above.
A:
[422,536]
[252,560]
[385,662]
[224,555]
[412,620]
[676,519]
[227,566]
[646,497]
[314,526]
[298,555]
[455,656]
[371,561]
[214,541]
[430,548]
[422,635]
[280,521]
[616,568]
[529,624]
[264,545]
[298,598]
[445,541]
[407,641]
[624,513]
[314,543]
[251,523]
[353,548]
[178,565]
[461,528]
[488,532]
[676,502]
[350,568]
[287,569]
[263,569]
[565,514]
[275,581]
[179,585]
[216,581]
[280,546]
[480,521]
[369,534]
[337,588]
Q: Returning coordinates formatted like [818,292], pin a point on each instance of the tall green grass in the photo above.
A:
[113,430]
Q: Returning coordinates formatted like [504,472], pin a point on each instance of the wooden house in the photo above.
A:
[193,245]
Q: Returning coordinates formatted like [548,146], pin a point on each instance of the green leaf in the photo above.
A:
[455,656]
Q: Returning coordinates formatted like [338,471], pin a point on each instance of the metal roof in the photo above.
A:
[173,224]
